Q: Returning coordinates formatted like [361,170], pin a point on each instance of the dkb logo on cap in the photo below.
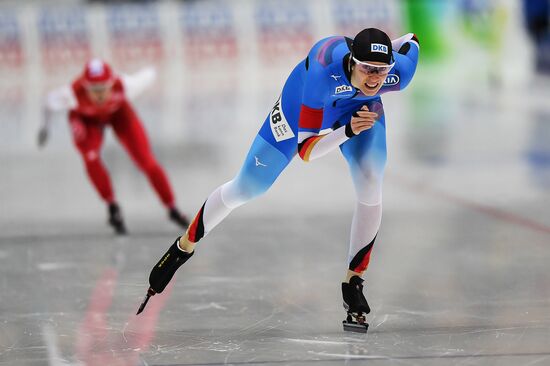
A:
[377,47]
[372,44]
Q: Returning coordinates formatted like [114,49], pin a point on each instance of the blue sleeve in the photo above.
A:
[406,60]
[314,94]
[316,84]
[313,103]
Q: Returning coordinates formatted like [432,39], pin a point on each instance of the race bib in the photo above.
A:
[279,125]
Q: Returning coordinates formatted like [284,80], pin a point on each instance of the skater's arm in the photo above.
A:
[43,131]
[312,144]
[402,43]
[311,113]
[406,56]
[135,84]
[61,99]
[317,146]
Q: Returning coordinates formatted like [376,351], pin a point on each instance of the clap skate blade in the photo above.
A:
[359,325]
[150,293]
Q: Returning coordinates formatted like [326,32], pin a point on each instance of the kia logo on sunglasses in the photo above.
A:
[377,47]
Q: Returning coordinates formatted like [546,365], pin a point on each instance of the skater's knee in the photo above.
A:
[244,188]
[367,179]
[251,188]
[90,156]
[370,195]
[368,187]
[148,165]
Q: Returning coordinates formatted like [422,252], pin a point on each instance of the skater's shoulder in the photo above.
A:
[78,86]
[328,51]
[119,86]
[329,40]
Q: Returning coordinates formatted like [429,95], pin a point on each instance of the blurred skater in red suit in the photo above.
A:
[99,98]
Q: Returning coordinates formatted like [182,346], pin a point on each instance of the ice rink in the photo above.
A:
[459,273]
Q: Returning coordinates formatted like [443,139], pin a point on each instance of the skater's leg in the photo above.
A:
[267,158]
[88,139]
[132,135]
[364,227]
[270,153]
[261,168]
[366,157]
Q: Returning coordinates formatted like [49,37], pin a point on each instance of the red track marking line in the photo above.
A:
[488,210]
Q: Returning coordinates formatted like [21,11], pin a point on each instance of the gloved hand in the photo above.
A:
[42,136]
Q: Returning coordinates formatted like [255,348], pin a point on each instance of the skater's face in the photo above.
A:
[99,93]
[369,77]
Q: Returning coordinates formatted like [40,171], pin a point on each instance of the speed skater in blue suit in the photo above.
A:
[332,99]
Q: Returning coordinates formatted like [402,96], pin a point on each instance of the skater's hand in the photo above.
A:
[363,120]
[42,136]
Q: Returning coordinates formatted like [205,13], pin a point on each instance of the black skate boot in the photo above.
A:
[179,218]
[115,219]
[356,305]
[164,270]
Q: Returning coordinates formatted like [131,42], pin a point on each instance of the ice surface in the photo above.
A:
[459,273]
